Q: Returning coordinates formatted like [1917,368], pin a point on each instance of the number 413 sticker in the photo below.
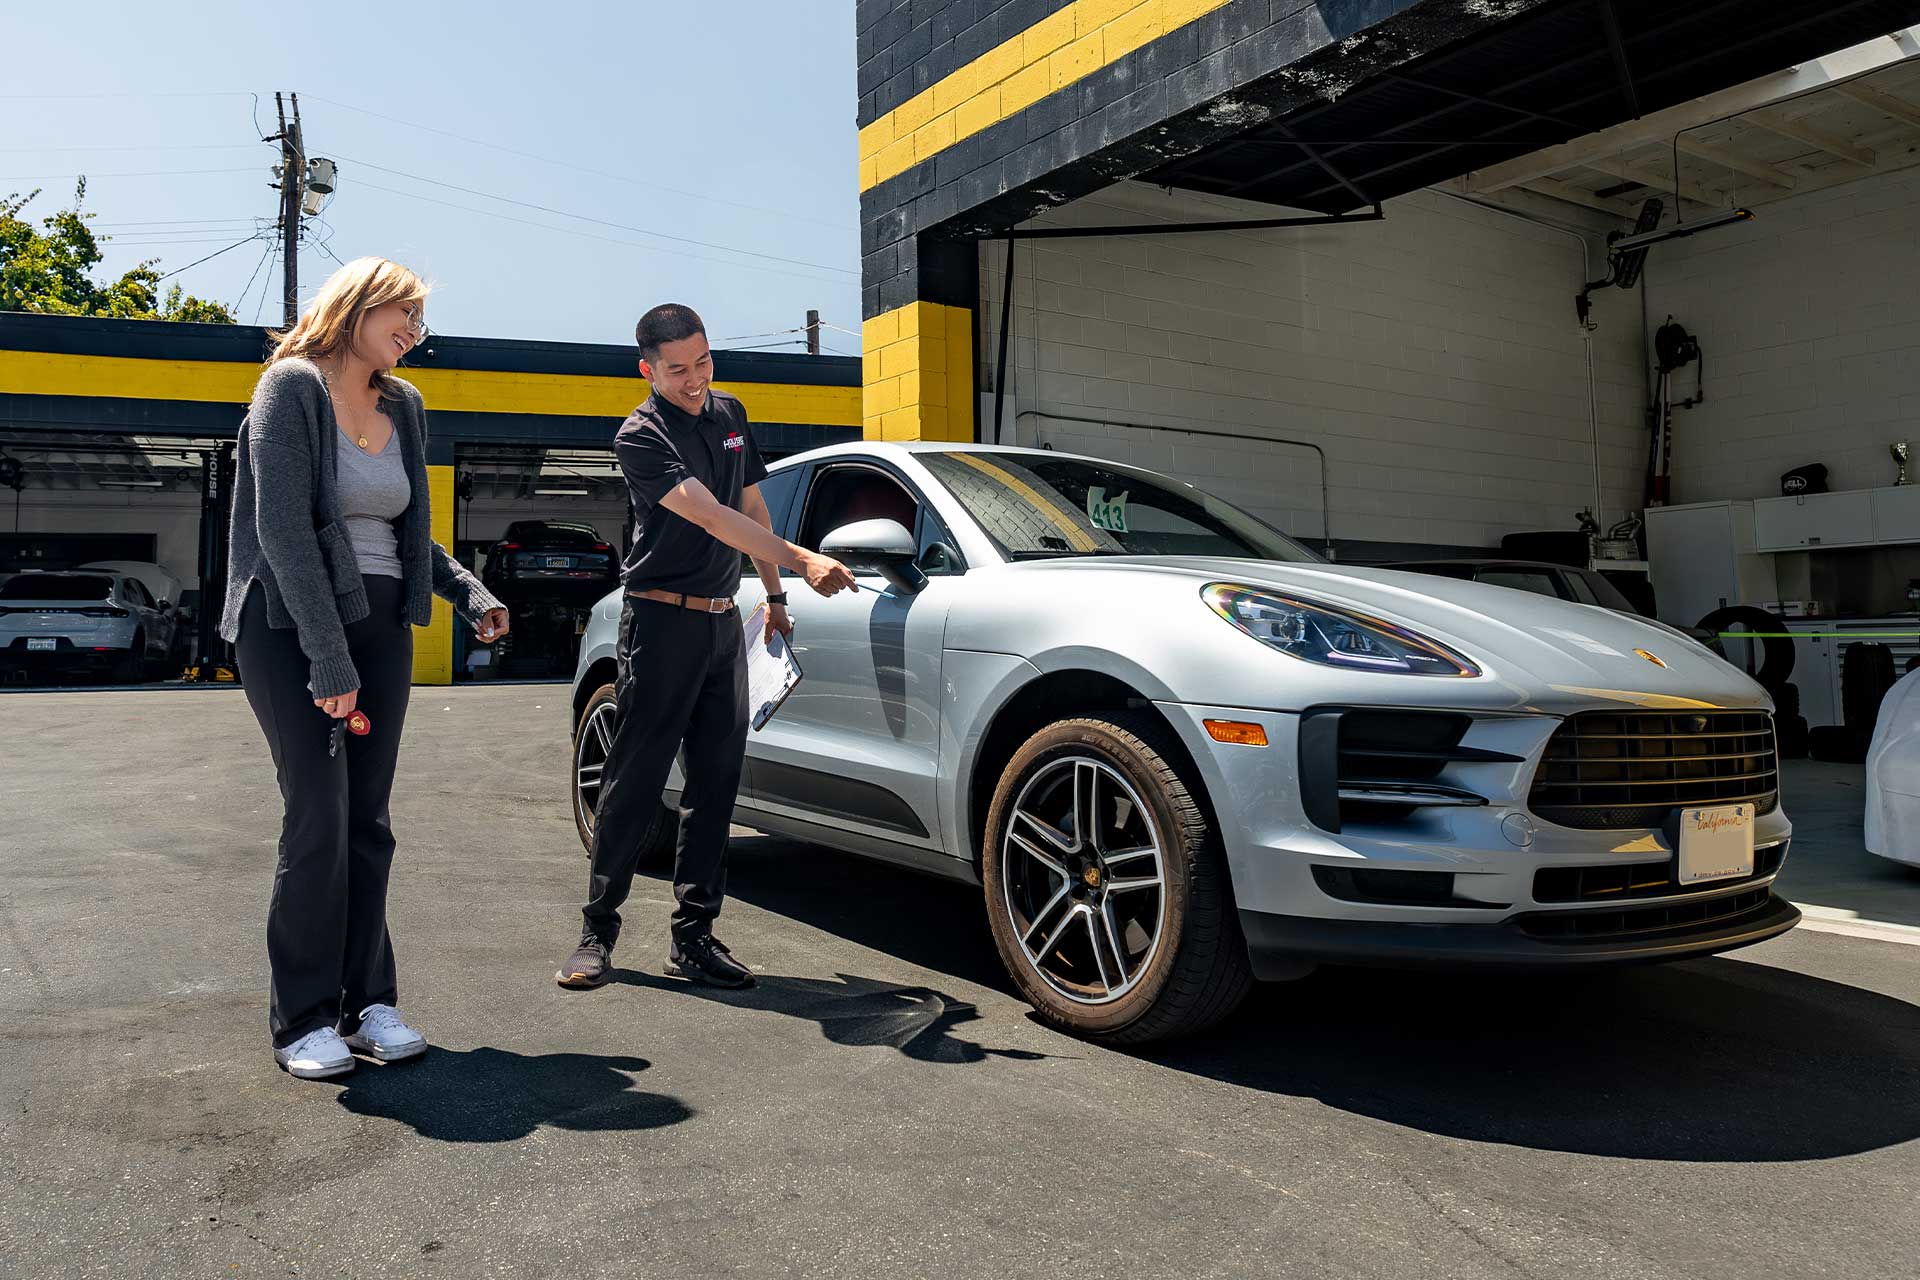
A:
[1107,513]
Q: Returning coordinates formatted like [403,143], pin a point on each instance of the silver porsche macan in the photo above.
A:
[1179,752]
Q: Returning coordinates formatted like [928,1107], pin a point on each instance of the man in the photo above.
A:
[693,476]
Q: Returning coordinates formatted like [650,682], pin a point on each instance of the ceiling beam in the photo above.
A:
[1557,190]
[1819,139]
[1807,77]
[1659,177]
[1728,159]
[1885,103]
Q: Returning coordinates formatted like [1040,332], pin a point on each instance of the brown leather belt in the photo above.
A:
[699,604]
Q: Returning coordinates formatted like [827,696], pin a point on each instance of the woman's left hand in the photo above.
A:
[493,626]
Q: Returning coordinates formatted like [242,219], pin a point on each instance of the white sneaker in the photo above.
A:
[318,1055]
[385,1035]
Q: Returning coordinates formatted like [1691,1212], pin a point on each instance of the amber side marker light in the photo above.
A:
[1237,732]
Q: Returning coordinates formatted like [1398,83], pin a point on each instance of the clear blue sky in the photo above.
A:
[729,122]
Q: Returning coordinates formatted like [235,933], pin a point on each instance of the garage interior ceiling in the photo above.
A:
[1575,69]
[517,472]
[86,465]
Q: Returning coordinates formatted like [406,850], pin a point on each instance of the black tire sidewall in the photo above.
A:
[1105,739]
[601,697]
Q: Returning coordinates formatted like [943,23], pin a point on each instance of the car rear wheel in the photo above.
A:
[131,667]
[1106,889]
[592,739]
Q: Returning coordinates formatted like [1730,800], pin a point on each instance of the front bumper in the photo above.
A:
[1278,945]
[1520,890]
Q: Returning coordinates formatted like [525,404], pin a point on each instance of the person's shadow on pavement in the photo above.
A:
[854,1011]
[496,1095]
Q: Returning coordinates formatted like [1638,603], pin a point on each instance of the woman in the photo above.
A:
[331,565]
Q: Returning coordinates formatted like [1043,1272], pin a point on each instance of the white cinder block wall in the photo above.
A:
[1808,319]
[1435,357]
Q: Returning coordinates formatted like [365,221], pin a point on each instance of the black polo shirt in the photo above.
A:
[660,447]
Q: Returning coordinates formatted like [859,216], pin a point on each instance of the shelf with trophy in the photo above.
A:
[1817,520]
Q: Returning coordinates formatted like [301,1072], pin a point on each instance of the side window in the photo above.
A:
[1540,584]
[777,491]
[939,553]
[138,591]
[844,495]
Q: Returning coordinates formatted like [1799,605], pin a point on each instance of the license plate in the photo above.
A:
[42,646]
[558,562]
[1716,844]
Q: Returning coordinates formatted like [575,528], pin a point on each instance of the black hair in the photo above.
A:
[668,322]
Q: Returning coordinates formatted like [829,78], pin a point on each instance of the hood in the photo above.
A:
[1582,652]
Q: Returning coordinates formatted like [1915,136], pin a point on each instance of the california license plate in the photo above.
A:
[1716,844]
[42,646]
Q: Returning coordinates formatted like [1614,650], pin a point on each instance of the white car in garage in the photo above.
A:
[1180,752]
[82,622]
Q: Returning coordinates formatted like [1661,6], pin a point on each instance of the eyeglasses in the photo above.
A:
[417,321]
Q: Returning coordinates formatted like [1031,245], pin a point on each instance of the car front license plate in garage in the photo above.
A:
[42,646]
[1716,844]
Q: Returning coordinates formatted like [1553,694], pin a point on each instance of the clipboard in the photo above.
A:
[772,670]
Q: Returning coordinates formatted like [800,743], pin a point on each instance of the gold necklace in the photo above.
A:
[327,376]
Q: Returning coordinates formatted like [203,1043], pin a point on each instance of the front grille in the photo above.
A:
[1575,926]
[1638,879]
[1608,770]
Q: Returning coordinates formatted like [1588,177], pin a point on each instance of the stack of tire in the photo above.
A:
[1776,665]
[1866,673]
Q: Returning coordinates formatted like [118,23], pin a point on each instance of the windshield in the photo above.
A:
[56,586]
[1038,507]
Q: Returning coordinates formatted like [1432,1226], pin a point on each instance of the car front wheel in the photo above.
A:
[1106,889]
[592,739]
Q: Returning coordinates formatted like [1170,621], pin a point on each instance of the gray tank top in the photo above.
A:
[373,492]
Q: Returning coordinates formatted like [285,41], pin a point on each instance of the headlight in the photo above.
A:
[1332,637]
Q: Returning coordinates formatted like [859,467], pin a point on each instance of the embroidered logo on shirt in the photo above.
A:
[735,441]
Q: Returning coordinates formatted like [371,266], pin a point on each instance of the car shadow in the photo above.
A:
[496,1095]
[1714,1060]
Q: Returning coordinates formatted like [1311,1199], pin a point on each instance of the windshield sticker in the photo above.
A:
[1107,513]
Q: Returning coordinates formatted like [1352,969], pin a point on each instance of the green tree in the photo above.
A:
[49,270]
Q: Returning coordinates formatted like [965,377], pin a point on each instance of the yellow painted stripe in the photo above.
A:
[474,390]
[433,643]
[1045,505]
[1055,52]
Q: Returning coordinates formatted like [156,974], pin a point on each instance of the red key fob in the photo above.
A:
[358,724]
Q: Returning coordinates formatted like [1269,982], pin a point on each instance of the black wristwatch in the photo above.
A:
[777,597]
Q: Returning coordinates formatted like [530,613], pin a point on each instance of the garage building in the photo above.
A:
[123,432]
[1348,265]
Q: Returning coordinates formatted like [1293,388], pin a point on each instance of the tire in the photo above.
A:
[1866,673]
[590,740]
[131,667]
[1189,974]
[1776,652]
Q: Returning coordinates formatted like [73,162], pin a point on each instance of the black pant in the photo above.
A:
[683,679]
[327,942]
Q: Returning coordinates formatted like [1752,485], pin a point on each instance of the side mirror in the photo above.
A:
[884,546]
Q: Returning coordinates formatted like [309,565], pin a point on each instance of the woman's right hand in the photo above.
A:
[341,707]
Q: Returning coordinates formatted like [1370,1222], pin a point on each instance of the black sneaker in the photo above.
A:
[589,966]
[706,959]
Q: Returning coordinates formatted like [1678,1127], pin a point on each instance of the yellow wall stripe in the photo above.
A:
[1055,52]
[433,643]
[475,390]
[918,371]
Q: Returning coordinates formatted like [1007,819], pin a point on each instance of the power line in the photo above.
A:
[194,146]
[571,231]
[649,185]
[248,287]
[142,173]
[619,226]
[210,257]
[57,97]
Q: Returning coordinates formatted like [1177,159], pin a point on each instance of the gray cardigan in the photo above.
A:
[286,533]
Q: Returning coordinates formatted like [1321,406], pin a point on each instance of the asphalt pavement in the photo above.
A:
[881,1104]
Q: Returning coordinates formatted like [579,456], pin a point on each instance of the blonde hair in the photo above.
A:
[328,327]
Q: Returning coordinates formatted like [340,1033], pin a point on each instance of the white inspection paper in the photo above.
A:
[772,670]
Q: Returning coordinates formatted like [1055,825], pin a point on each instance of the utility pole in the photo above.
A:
[813,333]
[293,173]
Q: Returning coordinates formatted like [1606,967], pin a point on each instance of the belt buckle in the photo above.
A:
[717,605]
